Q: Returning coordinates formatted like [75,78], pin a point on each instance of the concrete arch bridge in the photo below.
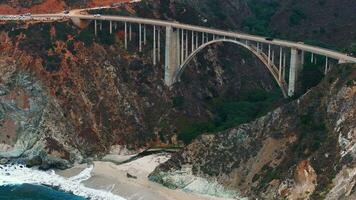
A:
[181,42]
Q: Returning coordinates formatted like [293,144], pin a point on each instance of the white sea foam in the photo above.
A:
[19,174]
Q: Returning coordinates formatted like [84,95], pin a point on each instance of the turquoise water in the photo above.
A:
[34,192]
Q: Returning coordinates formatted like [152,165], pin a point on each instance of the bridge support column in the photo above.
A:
[144,35]
[326,65]
[110,27]
[154,45]
[159,45]
[269,54]
[186,44]
[280,64]
[295,66]
[171,65]
[130,32]
[192,41]
[125,35]
[182,46]
[140,38]
[196,40]
[95,28]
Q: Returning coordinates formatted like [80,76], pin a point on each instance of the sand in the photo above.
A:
[111,177]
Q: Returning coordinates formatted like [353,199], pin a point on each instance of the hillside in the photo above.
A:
[69,96]
[69,67]
[304,149]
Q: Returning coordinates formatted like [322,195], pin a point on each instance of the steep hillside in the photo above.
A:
[304,149]
[66,95]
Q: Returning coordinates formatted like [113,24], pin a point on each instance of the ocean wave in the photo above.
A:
[19,174]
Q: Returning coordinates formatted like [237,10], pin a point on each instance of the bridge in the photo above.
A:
[181,42]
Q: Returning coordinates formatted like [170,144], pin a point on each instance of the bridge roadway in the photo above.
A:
[289,44]
[177,53]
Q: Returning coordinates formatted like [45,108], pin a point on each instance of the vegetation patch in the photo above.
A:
[259,22]
[228,113]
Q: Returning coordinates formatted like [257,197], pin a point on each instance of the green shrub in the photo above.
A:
[228,113]
[178,102]
[63,30]
[311,76]
[296,17]
[86,36]
[52,63]
[262,11]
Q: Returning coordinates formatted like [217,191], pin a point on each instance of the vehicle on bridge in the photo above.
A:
[97,15]
[269,39]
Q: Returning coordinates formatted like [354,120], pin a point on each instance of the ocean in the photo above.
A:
[19,182]
[34,192]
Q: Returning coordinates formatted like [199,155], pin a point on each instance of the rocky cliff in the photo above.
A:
[66,96]
[304,149]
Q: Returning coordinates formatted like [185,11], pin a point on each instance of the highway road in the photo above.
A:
[342,57]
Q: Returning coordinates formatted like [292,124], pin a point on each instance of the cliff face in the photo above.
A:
[67,96]
[304,149]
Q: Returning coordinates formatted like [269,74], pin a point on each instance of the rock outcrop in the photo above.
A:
[302,150]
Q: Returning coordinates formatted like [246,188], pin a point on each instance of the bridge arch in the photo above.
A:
[259,54]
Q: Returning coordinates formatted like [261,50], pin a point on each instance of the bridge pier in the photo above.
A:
[110,27]
[154,45]
[326,65]
[186,45]
[171,61]
[140,38]
[159,44]
[295,66]
[95,28]
[126,35]
[280,64]
[182,46]
[130,32]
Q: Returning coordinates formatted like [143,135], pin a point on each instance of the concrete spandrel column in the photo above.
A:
[284,65]
[130,32]
[186,44]
[326,65]
[192,41]
[95,27]
[182,46]
[272,57]
[269,54]
[144,35]
[280,64]
[140,38]
[295,64]
[159,44]
[110,27]
[125,35]
[196,40]
[178,47]
[154,45]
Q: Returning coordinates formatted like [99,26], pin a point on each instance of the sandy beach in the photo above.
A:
[111,177]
